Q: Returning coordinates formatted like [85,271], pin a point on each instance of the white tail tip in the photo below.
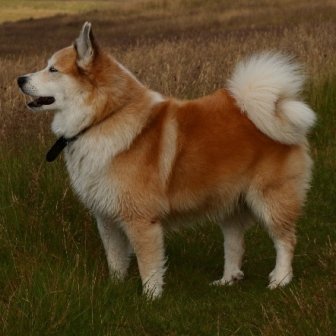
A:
[266,87]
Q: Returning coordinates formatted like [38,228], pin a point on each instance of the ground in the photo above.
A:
[54,278]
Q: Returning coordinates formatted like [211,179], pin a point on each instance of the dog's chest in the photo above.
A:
[88,166]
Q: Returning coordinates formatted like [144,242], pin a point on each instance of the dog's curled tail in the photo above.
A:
[266,87]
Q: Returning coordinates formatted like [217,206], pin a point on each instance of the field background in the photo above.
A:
[53,273]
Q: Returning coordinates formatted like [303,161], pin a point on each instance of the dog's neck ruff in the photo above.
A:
[62,142]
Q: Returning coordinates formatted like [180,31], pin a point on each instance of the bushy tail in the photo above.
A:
[266,87]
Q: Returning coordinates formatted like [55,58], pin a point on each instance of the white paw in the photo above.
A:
[279,278]
[152,291]
[229,279]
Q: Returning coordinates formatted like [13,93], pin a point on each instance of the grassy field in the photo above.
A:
[53,274]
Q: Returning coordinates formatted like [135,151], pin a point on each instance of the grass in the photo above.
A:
[53,273]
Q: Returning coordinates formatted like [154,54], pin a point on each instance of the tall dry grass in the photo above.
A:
[181,62]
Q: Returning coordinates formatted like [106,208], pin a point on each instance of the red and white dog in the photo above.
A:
[138,159]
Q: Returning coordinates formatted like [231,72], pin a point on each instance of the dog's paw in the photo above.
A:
[229,279]
[279,278]
[152,291]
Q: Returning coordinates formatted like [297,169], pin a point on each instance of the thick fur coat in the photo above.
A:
[141,159]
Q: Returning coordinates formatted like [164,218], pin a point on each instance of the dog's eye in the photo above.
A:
[52,69]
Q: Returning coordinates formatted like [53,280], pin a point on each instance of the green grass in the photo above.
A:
[54,277]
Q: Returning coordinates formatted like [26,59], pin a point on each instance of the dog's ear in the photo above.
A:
[85,46]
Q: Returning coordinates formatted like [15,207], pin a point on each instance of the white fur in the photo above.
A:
[72,113]
[70,121]
[88,168]
[156,97]
[117,246]
[233,253]
[266,88]
[283,272]
[152,286]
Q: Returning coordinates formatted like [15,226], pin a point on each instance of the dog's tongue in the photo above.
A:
[41,101]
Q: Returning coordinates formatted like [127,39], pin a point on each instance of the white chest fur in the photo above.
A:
[89,158]
[88,163]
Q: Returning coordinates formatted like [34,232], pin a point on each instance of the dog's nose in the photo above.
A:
[21,81]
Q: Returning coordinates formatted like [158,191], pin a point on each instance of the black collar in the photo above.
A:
[58,146]
[62,142]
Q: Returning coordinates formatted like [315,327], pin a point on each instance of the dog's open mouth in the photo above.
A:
[40,101]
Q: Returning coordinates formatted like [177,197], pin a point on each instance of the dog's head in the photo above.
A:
[82,84]
[63,81]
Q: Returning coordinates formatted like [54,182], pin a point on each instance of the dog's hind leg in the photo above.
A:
[117,246]
[146,237]
[278,206]
[233,231]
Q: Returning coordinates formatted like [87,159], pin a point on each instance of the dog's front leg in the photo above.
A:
[117,246]
[146,237]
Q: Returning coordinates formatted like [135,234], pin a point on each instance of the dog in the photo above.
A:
[138,159]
